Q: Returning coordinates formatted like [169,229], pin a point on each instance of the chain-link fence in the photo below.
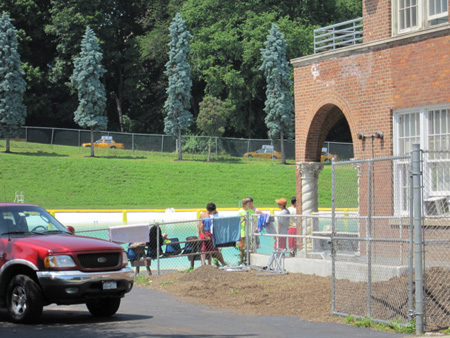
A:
[176,251]
[168,144]
[390,257]
[436,238]
[379,279]
[386,239]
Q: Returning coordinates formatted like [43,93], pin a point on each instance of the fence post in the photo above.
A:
[217,153]
[369,243]
[411,243]
[417,212]
[158,253]
[333,232]
[247,239]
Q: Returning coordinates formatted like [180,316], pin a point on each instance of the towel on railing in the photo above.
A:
[227,231]
[263,220]
[128,233]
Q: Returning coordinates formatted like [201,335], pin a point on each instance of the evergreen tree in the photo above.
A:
[91,92]
[279,105]
[178,70]
[12,84]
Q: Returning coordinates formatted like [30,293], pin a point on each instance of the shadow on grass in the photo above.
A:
[38,153]
[236,160]
[216,160]
[119,157]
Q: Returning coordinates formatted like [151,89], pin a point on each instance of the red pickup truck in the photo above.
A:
[42,262]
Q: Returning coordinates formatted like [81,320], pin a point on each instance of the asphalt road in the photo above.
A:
[148,313]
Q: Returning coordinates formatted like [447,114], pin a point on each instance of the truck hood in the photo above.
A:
[64,243]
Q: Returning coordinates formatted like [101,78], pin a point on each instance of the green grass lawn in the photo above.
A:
[58,177]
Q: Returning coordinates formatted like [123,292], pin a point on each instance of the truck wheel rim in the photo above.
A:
[19,300]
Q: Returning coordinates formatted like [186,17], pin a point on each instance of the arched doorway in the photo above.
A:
[315,128]
[324,121]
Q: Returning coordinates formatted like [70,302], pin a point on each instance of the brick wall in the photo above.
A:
[376,19]
[366,87]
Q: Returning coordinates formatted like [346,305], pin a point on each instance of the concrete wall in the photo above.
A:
[355,272]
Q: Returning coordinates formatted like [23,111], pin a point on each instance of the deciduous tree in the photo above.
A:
[212,119]
[12,84]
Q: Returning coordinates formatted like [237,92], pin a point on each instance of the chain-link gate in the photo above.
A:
[436,239]
[374,277]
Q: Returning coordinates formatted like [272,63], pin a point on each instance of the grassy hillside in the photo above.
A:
[66,177]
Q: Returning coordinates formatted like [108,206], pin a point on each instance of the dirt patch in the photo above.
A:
[249,292]
[305,296]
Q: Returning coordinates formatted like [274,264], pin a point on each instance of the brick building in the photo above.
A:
[392,88]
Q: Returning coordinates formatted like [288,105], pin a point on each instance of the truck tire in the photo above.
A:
[104,307]
[24,300]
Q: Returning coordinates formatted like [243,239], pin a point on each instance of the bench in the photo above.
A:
[141,258]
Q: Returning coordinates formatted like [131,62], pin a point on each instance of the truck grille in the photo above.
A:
[99,260]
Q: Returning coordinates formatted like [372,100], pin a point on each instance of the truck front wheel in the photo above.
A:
[24,300]
[103,307]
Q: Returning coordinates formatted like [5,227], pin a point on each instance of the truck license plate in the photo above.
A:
[109,285]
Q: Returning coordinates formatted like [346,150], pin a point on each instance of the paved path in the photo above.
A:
[149,313]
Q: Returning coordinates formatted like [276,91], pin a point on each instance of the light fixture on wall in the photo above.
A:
[378,134]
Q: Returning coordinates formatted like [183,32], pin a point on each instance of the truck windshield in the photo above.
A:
[21,219]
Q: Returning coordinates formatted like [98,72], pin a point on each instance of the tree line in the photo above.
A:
[225,55]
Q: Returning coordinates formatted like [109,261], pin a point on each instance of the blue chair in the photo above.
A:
[173,249]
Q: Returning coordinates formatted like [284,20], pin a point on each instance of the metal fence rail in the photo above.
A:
[167,144]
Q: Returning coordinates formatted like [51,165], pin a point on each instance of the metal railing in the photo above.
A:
[338,35]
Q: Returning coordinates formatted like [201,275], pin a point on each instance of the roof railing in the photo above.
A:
[338,35]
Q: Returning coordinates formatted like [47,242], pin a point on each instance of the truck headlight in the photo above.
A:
[124,258]
[62,261]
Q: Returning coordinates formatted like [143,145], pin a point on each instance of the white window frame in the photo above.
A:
[439,15]
[401,208]
[424,20]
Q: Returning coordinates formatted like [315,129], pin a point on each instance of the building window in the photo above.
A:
[429,127]
[407,14]
[411,15]
[437,11]
[408,131]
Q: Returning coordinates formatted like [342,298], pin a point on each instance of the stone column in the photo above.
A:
[309,172]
